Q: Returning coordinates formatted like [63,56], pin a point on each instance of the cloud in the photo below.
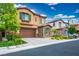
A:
[43,15]
[76,11]
[50,4]
[19,5]
[49,19]
[53,8]
[58,16]
[64,16]
[71,16]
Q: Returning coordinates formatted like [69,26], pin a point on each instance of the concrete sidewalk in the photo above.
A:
[32,43]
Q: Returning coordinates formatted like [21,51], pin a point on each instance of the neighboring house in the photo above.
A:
[45,30]
[77,27]
[60,25]
[30,22]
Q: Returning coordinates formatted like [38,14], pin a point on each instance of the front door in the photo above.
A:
[3,34]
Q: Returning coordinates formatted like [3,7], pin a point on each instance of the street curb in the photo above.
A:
[25,47]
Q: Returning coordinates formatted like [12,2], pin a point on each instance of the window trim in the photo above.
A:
[60,24]
[54,24]
[42,21]
[27,14]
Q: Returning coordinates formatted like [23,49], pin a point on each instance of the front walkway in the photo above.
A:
[32,43]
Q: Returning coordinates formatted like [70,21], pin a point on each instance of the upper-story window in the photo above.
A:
[66,25]
[42,21]
[59,24]
[35,19]
[54,24]
[25,16]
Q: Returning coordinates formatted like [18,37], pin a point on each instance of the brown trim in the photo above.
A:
[25,20]
[62,28]
[45,25]
[27,24]
[31,11]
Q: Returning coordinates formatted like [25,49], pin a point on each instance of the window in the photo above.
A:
[42,21]
[66,25]
[24,16]
[54,24]
[47,30]
[35,19]
[65,32]
[59,24]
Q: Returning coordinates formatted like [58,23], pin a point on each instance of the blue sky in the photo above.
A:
[53,9]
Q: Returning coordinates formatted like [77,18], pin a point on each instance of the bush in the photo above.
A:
[9,37]
[11,43]
[12,37]
[19,41]
[12,40]
[58,37]
[3,44]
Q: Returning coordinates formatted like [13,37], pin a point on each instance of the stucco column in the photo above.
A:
[43,29]
[36,33]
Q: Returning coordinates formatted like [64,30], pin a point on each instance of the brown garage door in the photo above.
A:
[25,32]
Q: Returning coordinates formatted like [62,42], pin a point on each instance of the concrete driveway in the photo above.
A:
[38,41]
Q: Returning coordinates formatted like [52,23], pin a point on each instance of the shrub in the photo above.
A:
[12,37]
[9,37]
[58,37]
[19,41]
[11,43]
[12,40]
[3,44]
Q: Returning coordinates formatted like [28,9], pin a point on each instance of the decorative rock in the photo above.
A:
[4,39]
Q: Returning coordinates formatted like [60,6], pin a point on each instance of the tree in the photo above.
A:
[72,29]
[8,21]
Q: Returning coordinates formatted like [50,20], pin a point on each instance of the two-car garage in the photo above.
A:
[27,32]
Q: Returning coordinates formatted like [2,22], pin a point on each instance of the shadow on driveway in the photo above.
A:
[62,49]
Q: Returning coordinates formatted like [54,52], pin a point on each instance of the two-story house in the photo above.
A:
[60,25]
[29,22]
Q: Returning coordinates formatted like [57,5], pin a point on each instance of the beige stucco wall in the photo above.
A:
[32,23]
[33,16]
